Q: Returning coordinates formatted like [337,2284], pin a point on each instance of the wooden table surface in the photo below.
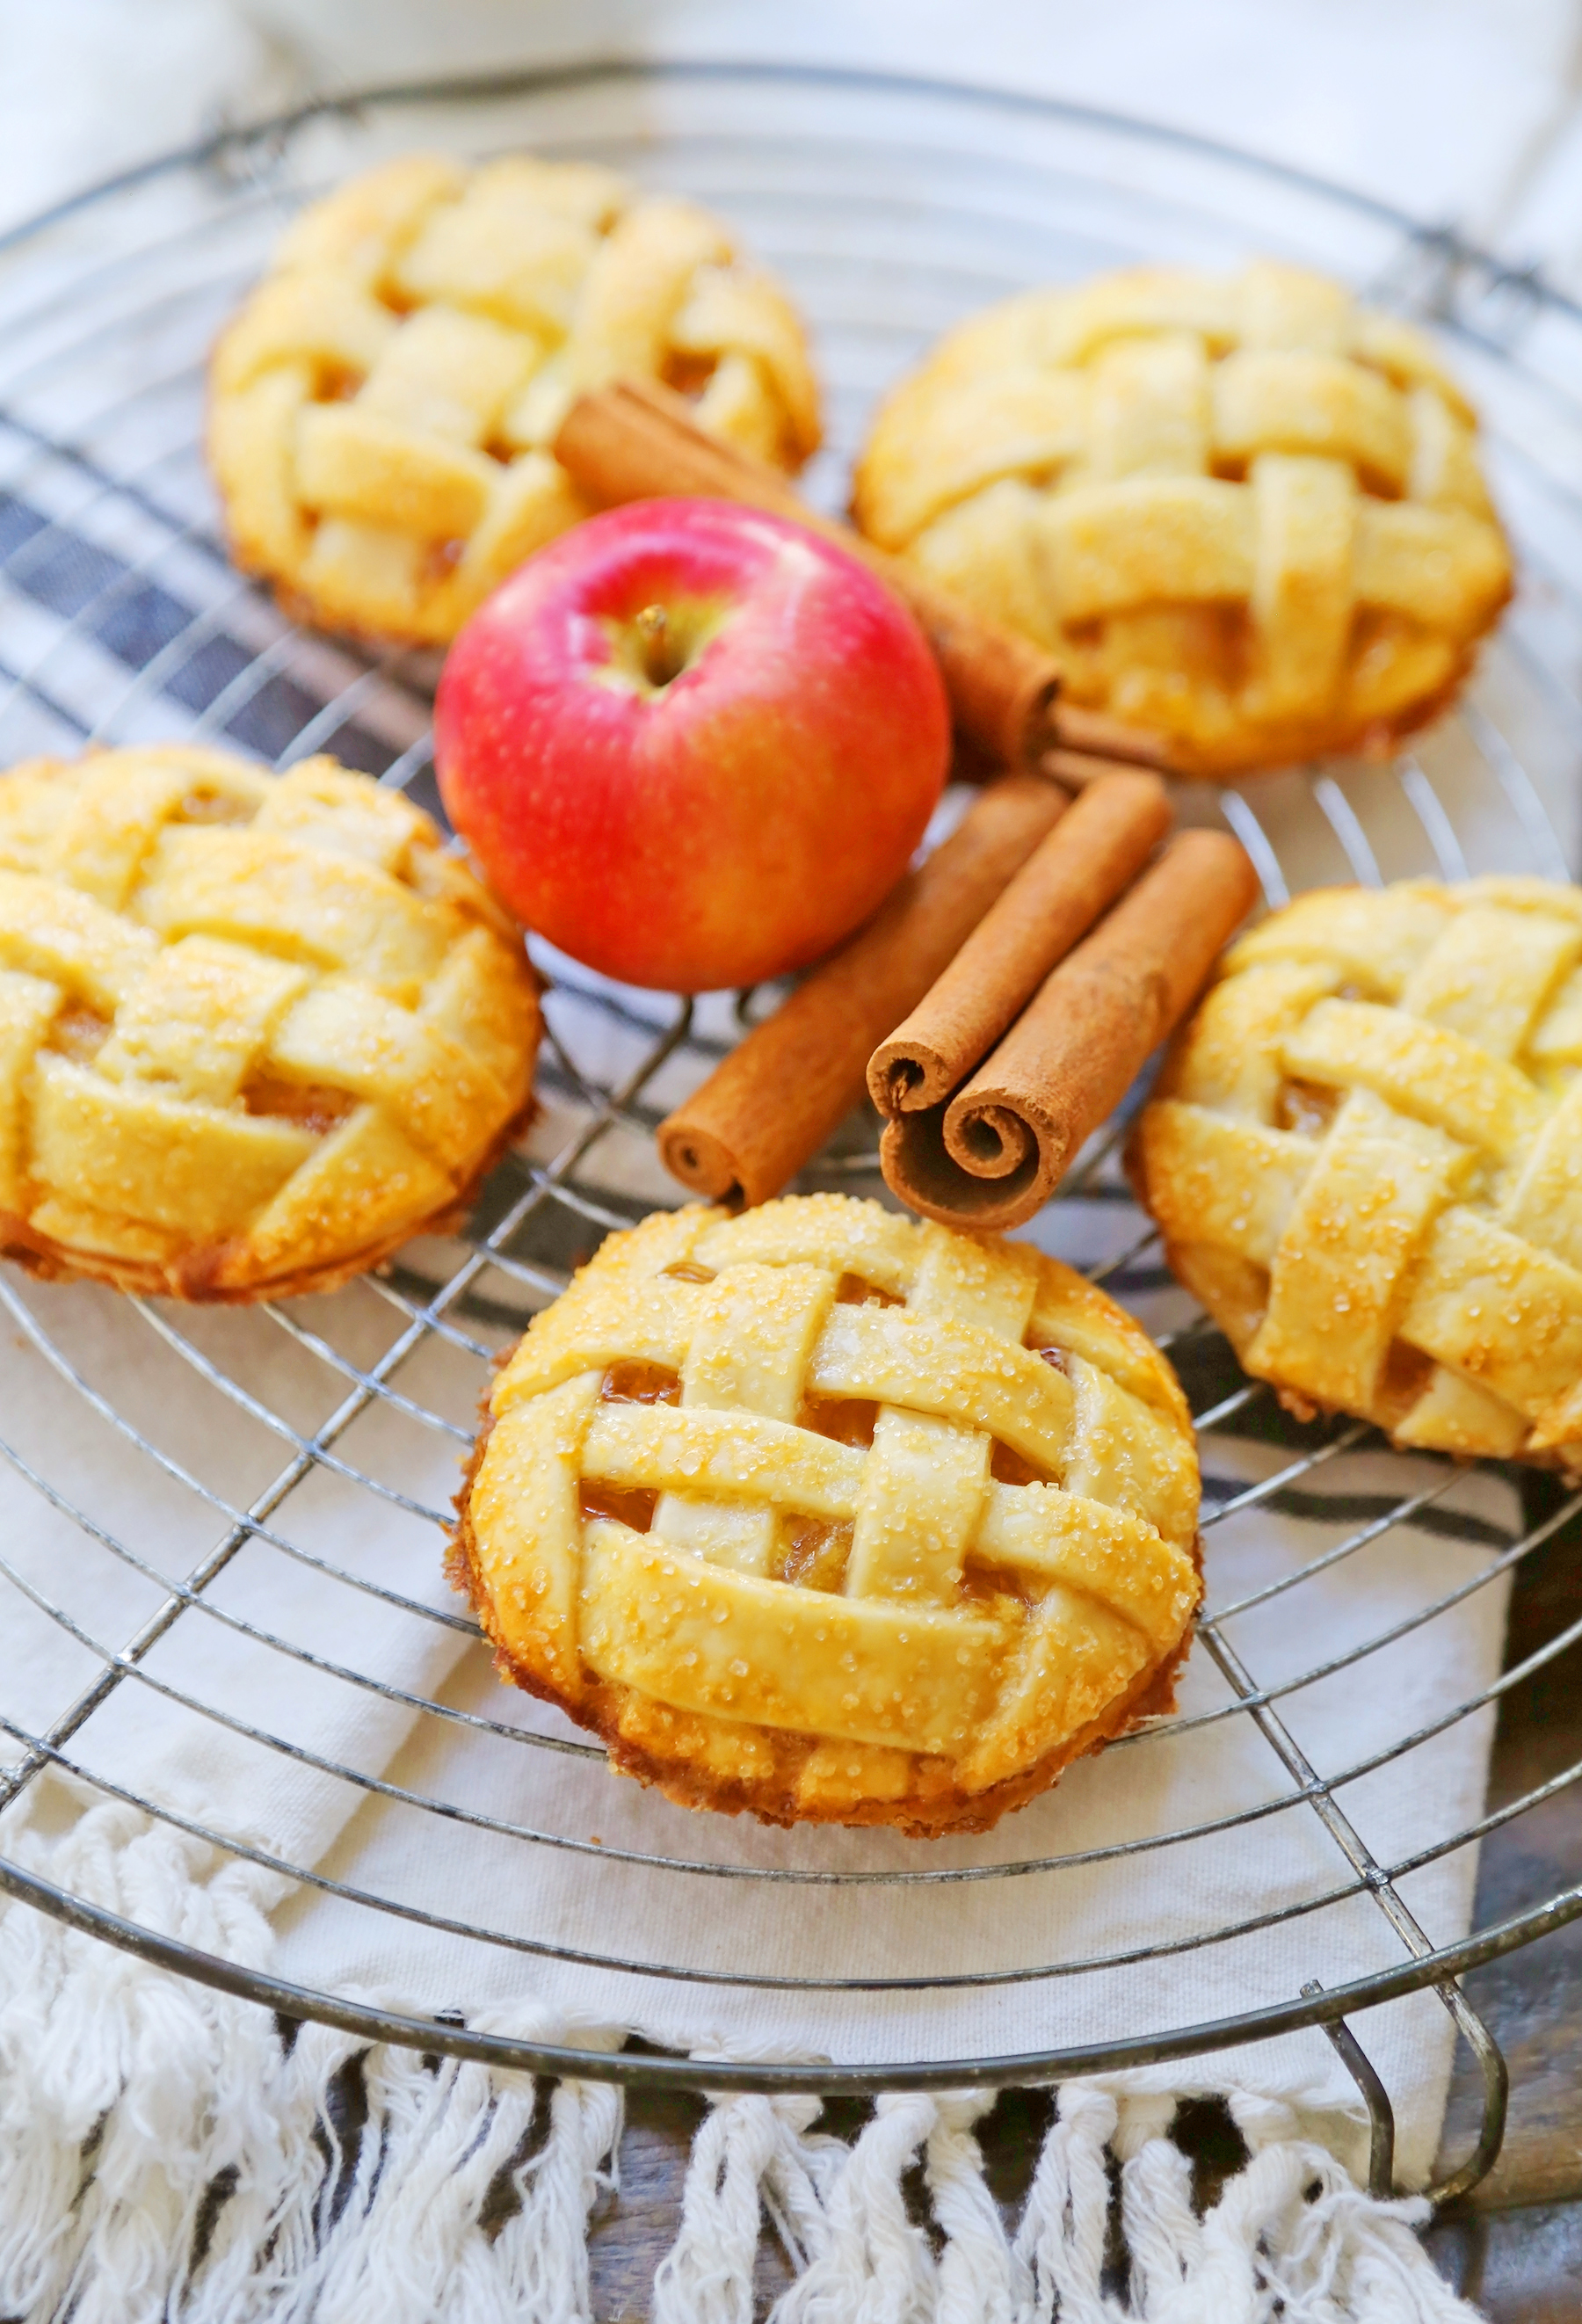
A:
[1514,2247]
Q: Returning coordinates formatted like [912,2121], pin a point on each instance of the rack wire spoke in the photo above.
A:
[207,1607]
[1229,1406]
[382,1284]
[56,533]
[181,1475]
[313,1448]
[1399,1514]
[1251,1496]
[1257,1699]
[320,1347]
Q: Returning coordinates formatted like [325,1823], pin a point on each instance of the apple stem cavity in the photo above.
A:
[661,659]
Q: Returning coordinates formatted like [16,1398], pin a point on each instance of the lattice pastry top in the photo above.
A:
[827,1515]
[254,1032]
[1241,510]
[383,405]
[1367,1158]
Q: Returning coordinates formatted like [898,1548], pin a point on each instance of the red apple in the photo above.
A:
[692,744]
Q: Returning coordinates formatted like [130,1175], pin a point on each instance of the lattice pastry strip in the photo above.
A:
[1242,511]
[825,1514]
[1364,1156]
[253,1033]
[383,405]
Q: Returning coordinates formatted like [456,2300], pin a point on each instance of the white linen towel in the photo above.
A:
[163,2151]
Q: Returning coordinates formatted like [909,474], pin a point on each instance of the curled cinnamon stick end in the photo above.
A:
[772,1102]
[992,1155]
[1076,873]
[636,440]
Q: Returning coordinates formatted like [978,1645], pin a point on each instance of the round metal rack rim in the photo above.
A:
[239,138]
[1320,2005]
[242,158]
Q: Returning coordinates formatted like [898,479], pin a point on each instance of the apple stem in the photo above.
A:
[661,662]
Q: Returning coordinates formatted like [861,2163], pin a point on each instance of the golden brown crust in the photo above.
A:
[1363,1154]
[255,1032]
[380,408]
[200,1275]
[1240,511]
[943,1698]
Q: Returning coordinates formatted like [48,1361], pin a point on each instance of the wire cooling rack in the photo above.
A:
[893,206]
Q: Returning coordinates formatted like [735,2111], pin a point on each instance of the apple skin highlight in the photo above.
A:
[712,827]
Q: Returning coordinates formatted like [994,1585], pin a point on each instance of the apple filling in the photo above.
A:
[813,1553]
[78,1033]
[311,1105]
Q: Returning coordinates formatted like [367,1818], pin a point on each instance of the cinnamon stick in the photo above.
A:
[1075,874]
[636,440]
[772,1102]
[994,1152]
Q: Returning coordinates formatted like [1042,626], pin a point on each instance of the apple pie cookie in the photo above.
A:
[381,407]
[824,1513]
[1367,1159]
[1240,511]
[254,1031]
